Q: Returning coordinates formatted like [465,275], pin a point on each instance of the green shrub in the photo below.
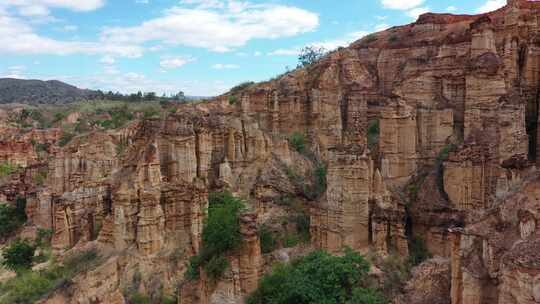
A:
[44,237]
[149,113]
[266,237]
[96,229]
[59,116]
[65,138]
[318,187]
[303,223]
[439,164]
[316,278]
[397,272]
[370,38]
[40,178]
[139,298]
[41,147]
[221,235]
[18,255]
[367,296]
[232,99]
[393,38]
[27,287]
[8,169]
[12,217]
[215,267]
[298,141]
[373,134]
[310,55]
[241,87]
[80,262]
[291,240]
[418,251]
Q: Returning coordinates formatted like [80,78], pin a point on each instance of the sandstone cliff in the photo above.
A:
[454,164]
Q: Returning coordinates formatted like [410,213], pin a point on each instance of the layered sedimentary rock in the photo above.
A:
[456,101]
[496,254]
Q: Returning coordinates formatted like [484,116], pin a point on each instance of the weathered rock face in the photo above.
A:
[430,284]
[495,258]
[467,86]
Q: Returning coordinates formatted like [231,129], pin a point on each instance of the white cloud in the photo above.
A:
[17,36]
[205,3]
[15,71]
[107,60]
[75,5]
[34,11]
[416,12]
[133,82]
[401,4]
[170,63]
[142,1]
[491,5]
[381,27]
[285,52]
[221,66]
[214,26]
[70,28]
[451,9]
[328,45]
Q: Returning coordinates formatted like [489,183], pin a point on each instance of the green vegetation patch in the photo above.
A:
[31,286]
[297,140]
[12,217]
[318,278]
[373,134]
[221,235]
[7,169]
[267,239]
[418,252]
[232,100]
[439,163]
[18,255]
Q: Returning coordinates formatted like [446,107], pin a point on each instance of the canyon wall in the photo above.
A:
[455,101]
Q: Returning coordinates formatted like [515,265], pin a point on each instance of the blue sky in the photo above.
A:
[201,47]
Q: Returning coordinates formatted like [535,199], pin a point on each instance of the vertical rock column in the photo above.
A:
[343,219]
[250,258]
[397,144]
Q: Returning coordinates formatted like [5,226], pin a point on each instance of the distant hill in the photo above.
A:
[41,92]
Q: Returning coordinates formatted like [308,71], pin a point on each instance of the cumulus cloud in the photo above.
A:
[15,71]
[17,36]
[107,60]
[401,4]
[75,5]
[381,27]
[217,26]
[221,66]
[491,5]
[131,82]
[328,45]
[416,12]
[169,63]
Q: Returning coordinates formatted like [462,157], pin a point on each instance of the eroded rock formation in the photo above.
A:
[454,164]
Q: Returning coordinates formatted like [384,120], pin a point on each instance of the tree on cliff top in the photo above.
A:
[310,55]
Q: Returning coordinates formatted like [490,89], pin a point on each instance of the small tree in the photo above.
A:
[310,55]
[298,141]
[18,255]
